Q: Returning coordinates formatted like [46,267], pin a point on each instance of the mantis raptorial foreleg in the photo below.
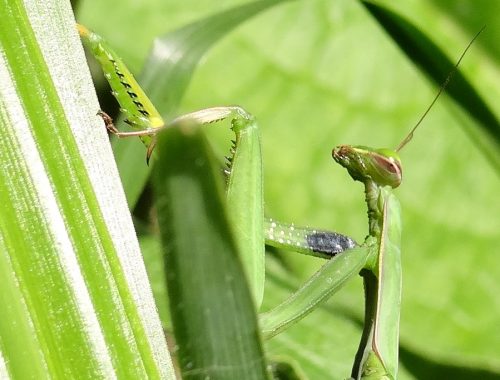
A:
[377,259]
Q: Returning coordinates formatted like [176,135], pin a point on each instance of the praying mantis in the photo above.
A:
[377,259]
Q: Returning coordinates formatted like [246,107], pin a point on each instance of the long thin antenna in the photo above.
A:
[409,136]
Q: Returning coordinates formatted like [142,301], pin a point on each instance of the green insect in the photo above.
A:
[378,258]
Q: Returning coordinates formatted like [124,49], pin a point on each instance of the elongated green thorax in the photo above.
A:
[380,171]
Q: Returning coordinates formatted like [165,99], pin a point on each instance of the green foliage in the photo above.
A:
[320,73]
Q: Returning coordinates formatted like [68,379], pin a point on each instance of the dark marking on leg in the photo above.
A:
[330,243]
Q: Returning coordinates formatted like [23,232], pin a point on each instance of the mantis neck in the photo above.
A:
[375,208]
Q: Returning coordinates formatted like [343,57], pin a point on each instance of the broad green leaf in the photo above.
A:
[213,312]
[76,300]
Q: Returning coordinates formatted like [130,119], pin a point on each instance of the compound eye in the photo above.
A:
[389,164]
[389,168]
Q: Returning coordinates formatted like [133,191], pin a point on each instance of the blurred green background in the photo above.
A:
[321,73]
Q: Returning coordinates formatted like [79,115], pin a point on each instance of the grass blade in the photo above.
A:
[77,299]
[212,309]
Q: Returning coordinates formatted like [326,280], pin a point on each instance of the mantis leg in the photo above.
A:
[322,285]
[203,116]
[244,190]
[108,121]
[309,241]
[134,103]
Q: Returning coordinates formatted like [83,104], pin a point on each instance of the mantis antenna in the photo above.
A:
[409,136]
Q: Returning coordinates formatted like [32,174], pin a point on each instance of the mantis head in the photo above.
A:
[382,166]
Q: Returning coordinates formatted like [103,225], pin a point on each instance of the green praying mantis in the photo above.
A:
[377,259]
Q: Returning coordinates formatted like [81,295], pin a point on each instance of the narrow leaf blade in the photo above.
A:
[74,306]
[212,309]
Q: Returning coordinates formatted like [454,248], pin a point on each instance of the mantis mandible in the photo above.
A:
[377,259]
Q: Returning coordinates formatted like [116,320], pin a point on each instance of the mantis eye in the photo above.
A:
[390,164]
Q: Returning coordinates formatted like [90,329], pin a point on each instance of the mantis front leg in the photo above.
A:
[244,189]
[245,198]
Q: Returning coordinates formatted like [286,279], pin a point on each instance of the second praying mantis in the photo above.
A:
[377,259]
